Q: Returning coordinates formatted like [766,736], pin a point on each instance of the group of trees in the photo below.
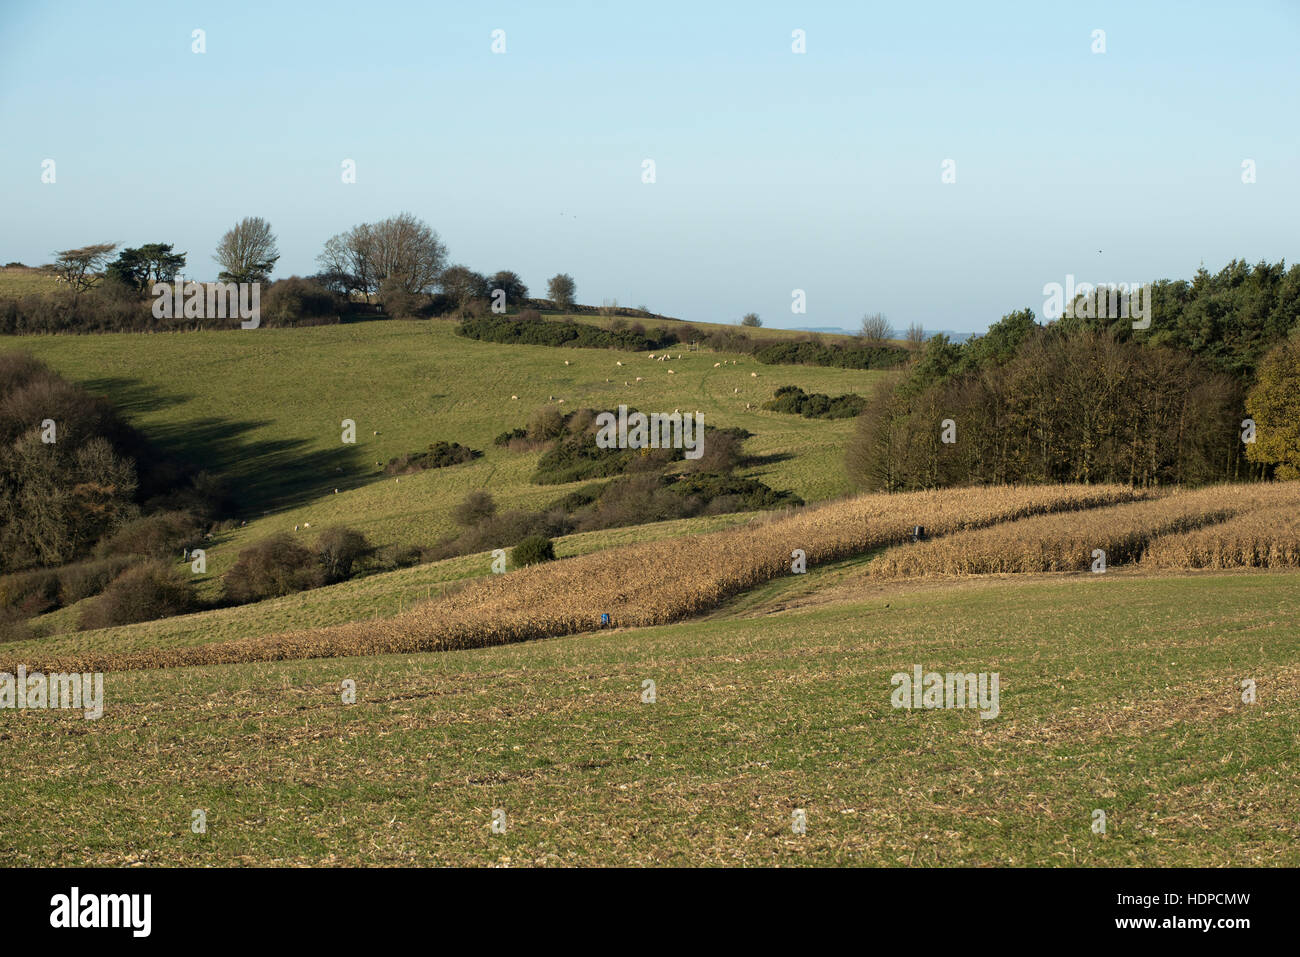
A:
[1063,407]
[401,254]
[398,261]
[1093,400]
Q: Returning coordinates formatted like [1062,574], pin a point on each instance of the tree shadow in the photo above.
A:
[262,475]
[771,458]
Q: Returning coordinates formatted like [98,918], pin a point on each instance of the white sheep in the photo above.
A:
[716,364]
[566,362]
[618,363]
[670,372]
[514,397]
[753,375]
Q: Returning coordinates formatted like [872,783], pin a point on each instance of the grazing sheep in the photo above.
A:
[618,363]
[716,364]
[753,375]
[306,524]
[652,355]
[671,372]
[566,362]
[514,397]
[735,390]
[638,378]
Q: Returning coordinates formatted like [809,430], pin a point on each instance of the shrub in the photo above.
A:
[30,593]
[397,302]
[793,400]
[439,455]
[143,593]
[160,535]
[270,568]
[514,435]
[533,550]
[546,423]
[84,579]
[477,507]
[529,328]
[392,557]
[296,301]
[339,548]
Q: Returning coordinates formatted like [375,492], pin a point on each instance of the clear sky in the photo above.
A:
[774,170]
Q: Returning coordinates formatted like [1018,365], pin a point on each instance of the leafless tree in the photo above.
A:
[876,329]
[247,252]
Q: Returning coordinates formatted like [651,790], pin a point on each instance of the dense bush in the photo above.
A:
[439,455]
[339,550]
[477,507]
[816,405]
[295,302]
[533,550]
[160,535]
[270,568]
[84,579]
[143,593]
[546,332]
[789,352]
[400,303]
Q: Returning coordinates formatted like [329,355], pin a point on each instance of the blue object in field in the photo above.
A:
[604,618]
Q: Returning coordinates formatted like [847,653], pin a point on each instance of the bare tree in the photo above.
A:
[247,253]
[408,251]
[402,248]
[876,329]
[915,336]
[561,288]
[80,268]
[349,258]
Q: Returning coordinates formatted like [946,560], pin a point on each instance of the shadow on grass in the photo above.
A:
[263,475]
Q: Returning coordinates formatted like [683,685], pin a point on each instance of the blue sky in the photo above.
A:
[774,171]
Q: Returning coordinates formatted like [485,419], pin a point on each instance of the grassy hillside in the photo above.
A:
[16,283]
[265,408]
[1118,694]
